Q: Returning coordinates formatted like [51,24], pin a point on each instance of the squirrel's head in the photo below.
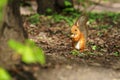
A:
[78,28]
[75,33]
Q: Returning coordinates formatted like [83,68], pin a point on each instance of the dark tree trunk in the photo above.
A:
[11,28]
[54,5]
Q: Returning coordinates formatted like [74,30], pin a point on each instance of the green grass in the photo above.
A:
[102,16]
[116,53]
[75,52]
[34,19]
[59,18]
[105,20]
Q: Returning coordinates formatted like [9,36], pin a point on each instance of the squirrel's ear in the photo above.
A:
[77,23]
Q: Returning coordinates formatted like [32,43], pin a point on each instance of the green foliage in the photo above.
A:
[34,19]
[102,16]
[49,10]
[116,53]
[81,1]
[114,16]
[99,34]
[58,18]
[94,47]
[94,16]
[71,9]
[29,51]
[69,18]
[104,21]
[75,52]
[94,54]
[73,14]
[4,75]
[104,27]
[2,4]
[78,53]
[91,53]
[67,3]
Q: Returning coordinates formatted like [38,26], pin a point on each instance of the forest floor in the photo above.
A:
[100,61]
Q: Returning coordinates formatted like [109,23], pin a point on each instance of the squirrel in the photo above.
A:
[79,33]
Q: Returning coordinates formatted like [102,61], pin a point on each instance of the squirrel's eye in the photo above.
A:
[75,29]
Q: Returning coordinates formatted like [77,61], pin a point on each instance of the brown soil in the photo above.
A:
[99,64]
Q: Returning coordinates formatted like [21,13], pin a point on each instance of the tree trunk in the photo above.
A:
[11,28]
[54,5]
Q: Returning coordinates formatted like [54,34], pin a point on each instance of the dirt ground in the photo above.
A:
[99,64]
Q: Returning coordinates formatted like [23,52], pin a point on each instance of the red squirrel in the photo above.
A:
[79,33]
